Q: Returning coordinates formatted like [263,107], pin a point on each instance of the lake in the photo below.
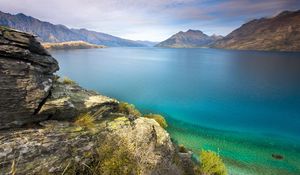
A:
[243,104]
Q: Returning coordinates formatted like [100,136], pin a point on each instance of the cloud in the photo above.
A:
[149,19]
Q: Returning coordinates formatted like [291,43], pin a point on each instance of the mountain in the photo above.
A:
[281,33]
[190,38]
[48,32]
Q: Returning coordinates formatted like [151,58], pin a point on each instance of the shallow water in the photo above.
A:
[245,104]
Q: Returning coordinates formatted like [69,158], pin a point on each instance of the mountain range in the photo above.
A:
[48,32]
[189,39]
[280,33]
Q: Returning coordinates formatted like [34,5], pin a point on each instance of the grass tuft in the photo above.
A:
[85,121]
[211,163]
[128,109]
[67,80]
[159,119]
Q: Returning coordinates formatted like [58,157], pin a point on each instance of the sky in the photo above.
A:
[153,20]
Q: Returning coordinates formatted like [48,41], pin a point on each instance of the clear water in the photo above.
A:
[245,104]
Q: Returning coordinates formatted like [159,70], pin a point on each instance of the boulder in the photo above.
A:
[26,77]
[68,100]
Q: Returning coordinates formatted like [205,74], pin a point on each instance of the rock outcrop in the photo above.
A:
[26,77]
[189,39]
[113,146]
[68,100]
[279,33]
[71,130]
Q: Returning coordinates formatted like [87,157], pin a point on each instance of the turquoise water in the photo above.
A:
[245,104]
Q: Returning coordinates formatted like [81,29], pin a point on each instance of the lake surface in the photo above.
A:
[246,104]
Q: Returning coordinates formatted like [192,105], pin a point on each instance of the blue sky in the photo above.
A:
[153,20]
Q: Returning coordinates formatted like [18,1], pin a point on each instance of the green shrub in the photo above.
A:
[67,80]
[159,119]
[85,121]
[128,109]
[211,163]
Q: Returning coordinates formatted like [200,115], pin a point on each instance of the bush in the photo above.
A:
[85,120]
[128,109]
[159,119]
[67,80]
[211,163]
[182,149]
[115,156]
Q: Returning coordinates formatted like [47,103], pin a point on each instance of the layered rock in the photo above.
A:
[68,100]
[95,137]
[26,77]
[115,146]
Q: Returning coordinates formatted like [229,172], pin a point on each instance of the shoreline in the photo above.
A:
[241,152]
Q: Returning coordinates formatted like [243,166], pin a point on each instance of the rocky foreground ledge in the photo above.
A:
[53,126]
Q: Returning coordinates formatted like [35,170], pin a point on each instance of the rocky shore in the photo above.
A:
[53,126]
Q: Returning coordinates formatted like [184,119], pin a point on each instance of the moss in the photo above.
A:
[85,121]
[67,80]
[159,119]
[211,164]
[128,109]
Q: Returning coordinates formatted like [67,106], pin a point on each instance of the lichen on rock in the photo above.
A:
[26,74]
[71,130]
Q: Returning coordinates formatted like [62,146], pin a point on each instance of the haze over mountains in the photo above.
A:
[190,38]
[280,33]
[48,32]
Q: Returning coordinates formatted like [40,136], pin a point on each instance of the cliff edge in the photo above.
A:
[53,126]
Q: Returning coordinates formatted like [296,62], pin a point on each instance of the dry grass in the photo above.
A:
[128,109]
[211,163]
[85,121]
[67,80]
[159,119]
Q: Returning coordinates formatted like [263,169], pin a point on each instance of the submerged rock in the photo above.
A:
[277,156]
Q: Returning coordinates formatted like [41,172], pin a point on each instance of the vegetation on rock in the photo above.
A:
[67,80]
[211,163]
[85,120]
[182,149]
[128,109]
[159,119]
[71,45]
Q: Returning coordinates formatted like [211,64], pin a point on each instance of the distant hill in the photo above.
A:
[188,39]
[48,32]
[281,33]
[71,45]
